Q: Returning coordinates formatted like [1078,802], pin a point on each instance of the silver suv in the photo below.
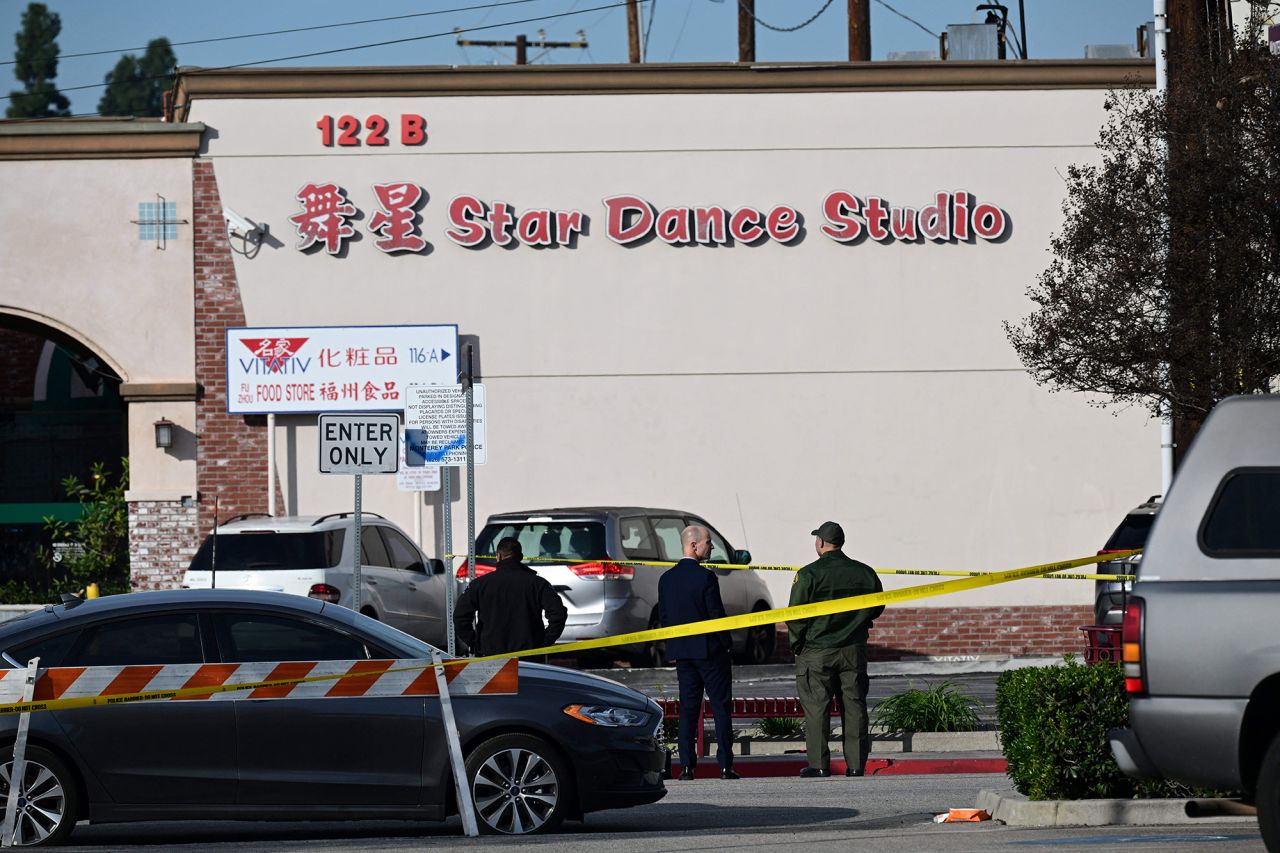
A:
[313,556]
[1110,597]
[1201,637]
[571,548]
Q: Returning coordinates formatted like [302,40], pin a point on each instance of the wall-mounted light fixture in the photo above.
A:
[164,433]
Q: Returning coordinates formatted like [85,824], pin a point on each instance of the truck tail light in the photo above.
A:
[603,571]
[481,569]
[1131,639]
[324,592]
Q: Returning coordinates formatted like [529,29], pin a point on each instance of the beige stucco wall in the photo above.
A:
[70,258]
[870,383]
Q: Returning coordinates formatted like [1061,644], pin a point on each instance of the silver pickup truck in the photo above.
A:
[1202,629]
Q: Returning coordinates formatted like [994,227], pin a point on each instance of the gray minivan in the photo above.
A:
[572,548]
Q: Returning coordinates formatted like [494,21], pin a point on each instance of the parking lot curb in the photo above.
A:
[1014,809]
[758,767]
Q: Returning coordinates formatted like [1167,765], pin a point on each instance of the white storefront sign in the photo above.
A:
[335,368]
[441,411]
[359,444]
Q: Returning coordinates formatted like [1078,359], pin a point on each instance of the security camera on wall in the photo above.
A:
[239,226]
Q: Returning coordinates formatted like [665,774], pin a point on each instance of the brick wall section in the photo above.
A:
[163,536]
[231,461]
[903,633]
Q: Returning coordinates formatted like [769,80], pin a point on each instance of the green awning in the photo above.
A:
[35,513]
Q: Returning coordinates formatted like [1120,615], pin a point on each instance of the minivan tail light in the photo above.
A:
[603,571]
[1131,641]
[324,592]
[481,569]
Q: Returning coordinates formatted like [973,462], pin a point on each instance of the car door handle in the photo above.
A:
[371,581]
[413,585]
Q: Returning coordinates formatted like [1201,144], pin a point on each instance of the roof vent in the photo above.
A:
[1110,51]
[973,41]
[912,56]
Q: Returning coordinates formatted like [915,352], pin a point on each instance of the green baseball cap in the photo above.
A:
[831,532]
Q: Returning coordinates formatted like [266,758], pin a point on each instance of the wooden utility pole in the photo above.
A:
[522,45]
[746,30]
[633,31]
[859,30]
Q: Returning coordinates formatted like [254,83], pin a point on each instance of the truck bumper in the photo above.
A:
[1188,739]
[1129,754]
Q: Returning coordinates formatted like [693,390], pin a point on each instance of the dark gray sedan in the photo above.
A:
[567,742]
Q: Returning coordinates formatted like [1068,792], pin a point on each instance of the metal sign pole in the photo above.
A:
[450,582]
[358,554]
[18,771]
[471,468]
[466,808]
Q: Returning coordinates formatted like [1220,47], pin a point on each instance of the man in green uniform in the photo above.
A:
[831,652]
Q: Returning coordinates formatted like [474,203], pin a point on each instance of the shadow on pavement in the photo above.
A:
[692,817]
[686,817]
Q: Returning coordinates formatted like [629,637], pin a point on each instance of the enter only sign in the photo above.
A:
[359,444]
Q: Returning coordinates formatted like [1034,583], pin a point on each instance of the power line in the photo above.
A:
[489,6]
[799,26]
[653,11]
[680,35]
[332,51]
[908,18]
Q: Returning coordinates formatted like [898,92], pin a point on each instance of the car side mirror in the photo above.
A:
[434,566]
[742,558]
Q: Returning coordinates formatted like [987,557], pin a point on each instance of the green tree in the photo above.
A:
[98,542]
[136,87]
[35,65]
[1165,280]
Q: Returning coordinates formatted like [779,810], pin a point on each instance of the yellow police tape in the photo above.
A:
[710,626]
[954,573]
[818,608]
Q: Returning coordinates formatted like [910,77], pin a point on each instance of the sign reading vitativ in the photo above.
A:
[328,214]
[335,368]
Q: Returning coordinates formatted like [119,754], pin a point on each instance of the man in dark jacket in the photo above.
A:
[509,603]
[831,652]
[689,593]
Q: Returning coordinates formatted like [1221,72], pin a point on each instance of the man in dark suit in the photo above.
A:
[689,593]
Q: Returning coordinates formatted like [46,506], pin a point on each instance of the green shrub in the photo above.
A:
[939,708]
[1053,723]
[781,727]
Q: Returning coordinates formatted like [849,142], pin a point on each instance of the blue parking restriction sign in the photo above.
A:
[415,447]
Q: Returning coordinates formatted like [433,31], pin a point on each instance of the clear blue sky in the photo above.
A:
[680,31]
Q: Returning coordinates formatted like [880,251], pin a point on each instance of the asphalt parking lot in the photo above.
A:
[873,813]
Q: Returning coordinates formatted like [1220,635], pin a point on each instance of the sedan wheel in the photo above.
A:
[519,785]
[47,798]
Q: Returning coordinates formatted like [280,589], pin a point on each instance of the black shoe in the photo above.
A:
[729,774]
[686,775]
[852,772]
[814,773]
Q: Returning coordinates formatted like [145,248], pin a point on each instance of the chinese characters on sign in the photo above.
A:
[335,368]
[948,217]
[325,211]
